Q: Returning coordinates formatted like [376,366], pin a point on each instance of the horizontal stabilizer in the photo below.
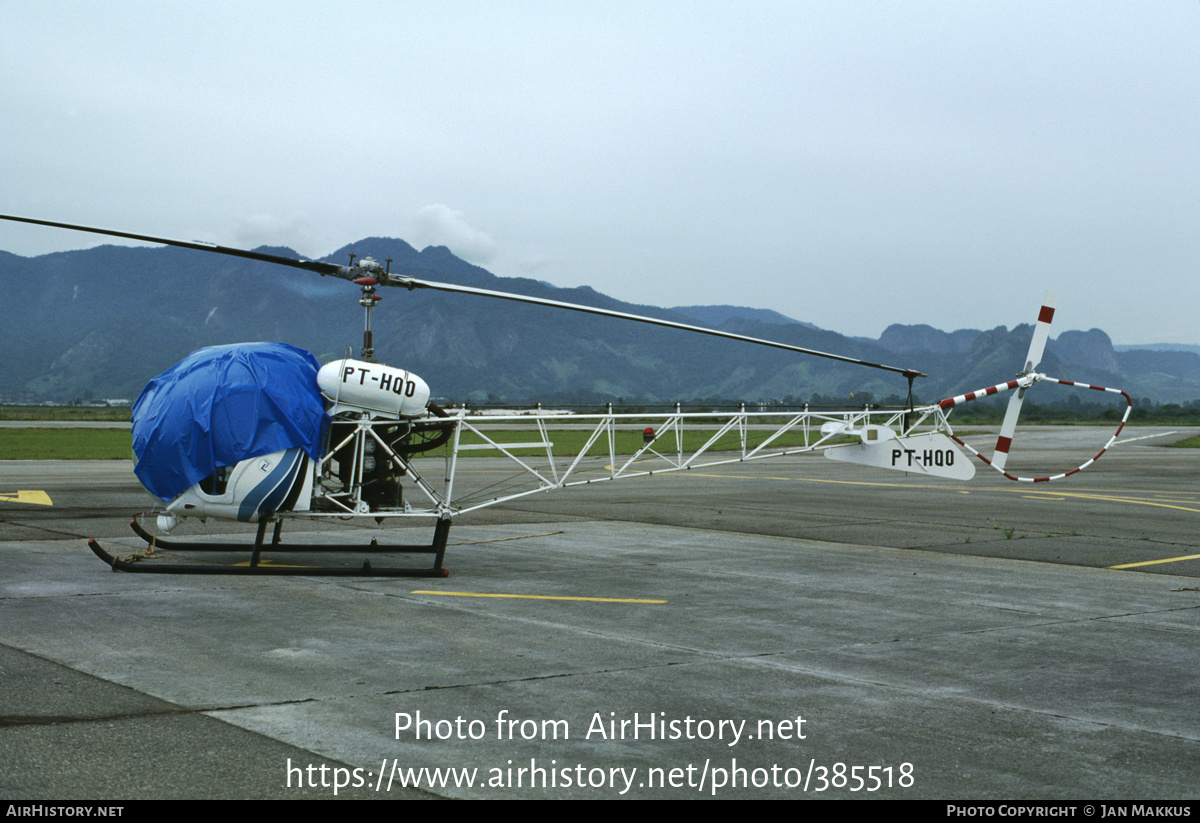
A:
[931,454]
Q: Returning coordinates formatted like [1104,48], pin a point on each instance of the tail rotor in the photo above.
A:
[1027,377]
[1037,347]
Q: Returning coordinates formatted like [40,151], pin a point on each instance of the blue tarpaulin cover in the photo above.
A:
[224,404]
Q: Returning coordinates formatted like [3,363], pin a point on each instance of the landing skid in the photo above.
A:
[254,567]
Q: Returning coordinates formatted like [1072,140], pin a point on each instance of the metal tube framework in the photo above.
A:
[549,471]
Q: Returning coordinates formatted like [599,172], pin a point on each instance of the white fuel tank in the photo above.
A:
[372,387]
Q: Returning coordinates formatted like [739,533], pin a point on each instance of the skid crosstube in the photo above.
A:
[436,548]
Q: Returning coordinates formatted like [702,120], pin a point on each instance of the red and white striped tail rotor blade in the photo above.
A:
[1041,332]
[1007,428]
[1037,347]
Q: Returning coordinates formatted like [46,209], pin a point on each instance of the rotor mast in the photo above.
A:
[369,298]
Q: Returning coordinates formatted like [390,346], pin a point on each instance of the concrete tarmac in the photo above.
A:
[785,629]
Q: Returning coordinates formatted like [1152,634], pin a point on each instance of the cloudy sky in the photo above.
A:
[852,164]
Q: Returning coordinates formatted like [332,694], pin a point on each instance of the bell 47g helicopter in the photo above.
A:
[263,432]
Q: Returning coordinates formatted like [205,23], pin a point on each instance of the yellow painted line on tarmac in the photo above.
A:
[1156,562]
[816,480]
[1139,491]
[540,597]
[1024,491]
[1111,499]
[504,539]
[1035,495]
[36,498]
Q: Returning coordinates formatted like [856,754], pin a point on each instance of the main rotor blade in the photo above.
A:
[308,265]
[414,283]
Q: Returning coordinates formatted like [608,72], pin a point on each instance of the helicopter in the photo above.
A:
[263,432]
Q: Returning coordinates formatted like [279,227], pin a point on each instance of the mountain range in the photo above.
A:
[99,323]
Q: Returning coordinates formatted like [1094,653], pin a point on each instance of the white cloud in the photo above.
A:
[538,263]
[439,225]
[294,231]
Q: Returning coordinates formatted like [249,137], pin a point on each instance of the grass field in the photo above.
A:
[115,444]
[65,444]
[104,414]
